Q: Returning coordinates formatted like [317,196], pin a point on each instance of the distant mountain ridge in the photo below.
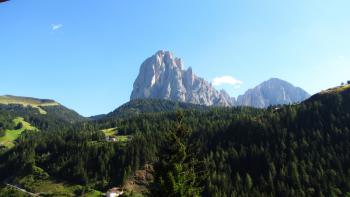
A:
[272,92]
[23,106]
[161,76]
[10,99]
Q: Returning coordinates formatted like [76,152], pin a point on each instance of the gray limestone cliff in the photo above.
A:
[162,77]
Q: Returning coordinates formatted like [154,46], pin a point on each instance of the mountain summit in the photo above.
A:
[272,92]
[162,77]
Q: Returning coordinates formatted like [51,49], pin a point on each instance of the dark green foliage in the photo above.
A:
[175,169]
[11,192]
[19,126]
[6,122]
[62,113]
[58,118]
[77,155]
[296,150]
[139,106]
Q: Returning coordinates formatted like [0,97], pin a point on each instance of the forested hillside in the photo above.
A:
[292,150]
[139,106]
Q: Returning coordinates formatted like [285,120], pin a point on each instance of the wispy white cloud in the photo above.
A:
[340,57]
[56,26]
[226,80]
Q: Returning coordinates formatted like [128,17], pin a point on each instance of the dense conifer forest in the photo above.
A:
[292,150]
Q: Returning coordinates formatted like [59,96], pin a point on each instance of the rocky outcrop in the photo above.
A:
[162,77]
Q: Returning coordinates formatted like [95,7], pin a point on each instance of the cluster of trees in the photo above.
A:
[56,116]
[78,155]
[5,122]
[138,106]
[176,170]
[295,150]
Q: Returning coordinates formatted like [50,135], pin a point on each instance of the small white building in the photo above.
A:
[111,139]
[114,192]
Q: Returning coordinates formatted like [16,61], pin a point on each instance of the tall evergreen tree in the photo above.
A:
[174,171]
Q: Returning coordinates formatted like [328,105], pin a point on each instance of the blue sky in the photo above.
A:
[86,54]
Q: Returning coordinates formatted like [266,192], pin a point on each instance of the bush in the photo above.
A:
[2,132]
[19,126]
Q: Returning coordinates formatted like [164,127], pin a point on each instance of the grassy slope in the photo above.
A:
[336,89]
[12,135]
[51,187]
[112,132]
[330,92]
[26,101]
[10,191]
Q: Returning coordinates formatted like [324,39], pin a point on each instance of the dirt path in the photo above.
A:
[21,189]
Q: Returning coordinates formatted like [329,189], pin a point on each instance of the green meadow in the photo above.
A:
[26,101]
[12,135]
[113,132]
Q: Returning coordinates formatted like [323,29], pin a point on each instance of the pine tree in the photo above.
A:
[174,172]
[248,182]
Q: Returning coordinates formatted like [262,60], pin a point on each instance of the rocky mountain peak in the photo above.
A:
[272,92]
[162,76]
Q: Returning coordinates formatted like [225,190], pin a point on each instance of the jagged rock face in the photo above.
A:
[272,92]
[162,77]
